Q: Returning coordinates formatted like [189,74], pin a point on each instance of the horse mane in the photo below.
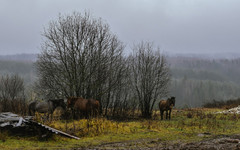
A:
[171,101]
[73,100]
[168,101]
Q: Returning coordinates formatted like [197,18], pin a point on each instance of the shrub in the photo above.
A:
[223,104]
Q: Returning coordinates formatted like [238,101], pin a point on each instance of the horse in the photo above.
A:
[86,107]
[32,107]
[59,113]
[166,105]
[46,106]
[94,106]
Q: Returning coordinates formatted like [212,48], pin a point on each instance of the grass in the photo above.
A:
[185,126]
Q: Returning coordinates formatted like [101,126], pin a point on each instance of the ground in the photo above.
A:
[216,143]
[188,129]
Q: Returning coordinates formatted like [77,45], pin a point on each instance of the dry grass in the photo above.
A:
[184,126]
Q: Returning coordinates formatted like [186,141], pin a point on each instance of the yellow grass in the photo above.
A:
[185,126]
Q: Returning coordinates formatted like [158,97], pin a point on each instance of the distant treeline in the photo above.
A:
[20,57]
[198,81]
[194,93]
[195,82]
[25,69]
[205,69]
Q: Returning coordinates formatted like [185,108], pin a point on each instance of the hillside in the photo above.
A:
[195,80]
[22,64]
[20,57]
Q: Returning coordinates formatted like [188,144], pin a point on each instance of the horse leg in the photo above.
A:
[73,114]
[92,113]
[161,113]
[51,116]
[48,116]
[170,110]
[44,117]
[95,113]
[166,114]
[29,112]
[87,114]
[33,113]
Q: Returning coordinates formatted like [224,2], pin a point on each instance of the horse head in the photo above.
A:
[171,101]
[94,104]
[57,103]
[32,107]
[71,101]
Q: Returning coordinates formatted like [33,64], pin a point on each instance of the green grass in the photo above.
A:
[184,127]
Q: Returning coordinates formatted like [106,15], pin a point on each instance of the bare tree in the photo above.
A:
[149,76]
[11,87]
[80,57]
[12,97]
[119,92]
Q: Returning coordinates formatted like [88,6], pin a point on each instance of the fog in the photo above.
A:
[185,26]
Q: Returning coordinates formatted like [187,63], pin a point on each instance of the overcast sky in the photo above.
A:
[176,26]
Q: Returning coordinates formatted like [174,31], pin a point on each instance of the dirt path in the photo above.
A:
[218,143]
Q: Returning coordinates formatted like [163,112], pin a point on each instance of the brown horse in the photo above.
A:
[166,105]
[86,107]
[94,106]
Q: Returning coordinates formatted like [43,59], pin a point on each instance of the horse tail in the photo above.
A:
[160,104]
[31,109]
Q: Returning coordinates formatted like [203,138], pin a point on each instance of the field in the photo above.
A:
[188,125]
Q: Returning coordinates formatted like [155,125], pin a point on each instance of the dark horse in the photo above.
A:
[46,106]
[86,107]
[166,105]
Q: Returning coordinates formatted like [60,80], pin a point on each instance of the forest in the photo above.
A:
[195,81]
